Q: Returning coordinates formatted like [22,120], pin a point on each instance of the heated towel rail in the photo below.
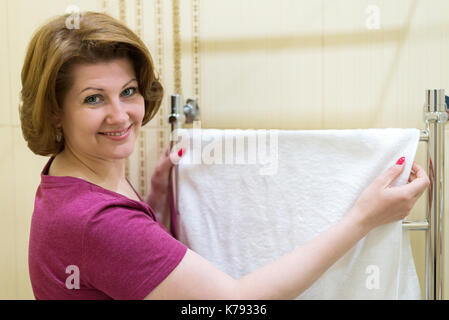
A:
[436,113]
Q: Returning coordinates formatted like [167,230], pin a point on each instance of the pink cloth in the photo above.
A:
[119,248]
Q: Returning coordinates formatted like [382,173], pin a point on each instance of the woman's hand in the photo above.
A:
[158,198]
[380,203]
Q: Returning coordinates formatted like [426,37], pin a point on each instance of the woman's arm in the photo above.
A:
[290,275]
[159,202]
[285,278]
[158,198]
[293,273]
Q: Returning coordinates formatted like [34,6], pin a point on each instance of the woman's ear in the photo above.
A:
[56,120]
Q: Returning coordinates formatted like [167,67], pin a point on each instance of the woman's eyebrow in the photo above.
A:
[99,89]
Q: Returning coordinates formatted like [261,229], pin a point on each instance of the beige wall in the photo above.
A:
[297,64]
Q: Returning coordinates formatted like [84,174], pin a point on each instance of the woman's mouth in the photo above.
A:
[117,135]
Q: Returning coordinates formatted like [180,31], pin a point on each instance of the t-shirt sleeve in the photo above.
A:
[127,254]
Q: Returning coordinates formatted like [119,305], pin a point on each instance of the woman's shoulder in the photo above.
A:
[77,206]
[65,188]
[61,168]
[78,198]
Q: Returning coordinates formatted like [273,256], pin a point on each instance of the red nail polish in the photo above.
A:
[401,160]
[180,152]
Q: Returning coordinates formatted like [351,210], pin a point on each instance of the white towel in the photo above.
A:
[243,212]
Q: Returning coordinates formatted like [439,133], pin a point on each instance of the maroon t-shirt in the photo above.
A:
[87,242]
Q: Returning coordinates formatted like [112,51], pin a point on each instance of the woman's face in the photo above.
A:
[103,110]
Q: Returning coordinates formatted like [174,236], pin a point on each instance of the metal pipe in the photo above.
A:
[424,136]
[175,104]
[435,116]
[416,225]
[191,113]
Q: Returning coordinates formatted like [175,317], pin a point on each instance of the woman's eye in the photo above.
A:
[92,99]
[96,99]
[129,91]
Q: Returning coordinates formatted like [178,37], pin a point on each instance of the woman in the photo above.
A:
[86,93]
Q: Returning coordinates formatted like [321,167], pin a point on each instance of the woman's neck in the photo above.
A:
[109,173]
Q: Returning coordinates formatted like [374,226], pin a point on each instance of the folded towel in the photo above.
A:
[242,210]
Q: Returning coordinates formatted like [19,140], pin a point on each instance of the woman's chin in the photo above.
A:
[120,152]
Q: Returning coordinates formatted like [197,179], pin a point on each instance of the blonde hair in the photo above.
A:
[47,72]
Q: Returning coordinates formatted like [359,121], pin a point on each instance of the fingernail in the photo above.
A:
[180,152]
[400,160]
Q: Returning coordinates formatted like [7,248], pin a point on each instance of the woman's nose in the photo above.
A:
[116,112]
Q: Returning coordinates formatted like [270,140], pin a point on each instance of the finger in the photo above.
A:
[419,171]
[418,182]
[175,156]
[163,156]
[414,168]
[165,161]
[412,175]
[416,187]
[391,174]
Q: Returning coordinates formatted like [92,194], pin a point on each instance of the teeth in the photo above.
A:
[116,134]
